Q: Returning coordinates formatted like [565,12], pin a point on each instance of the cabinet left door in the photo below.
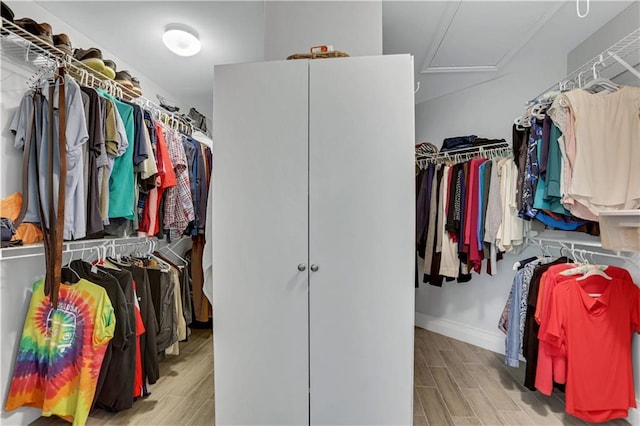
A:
[260,237]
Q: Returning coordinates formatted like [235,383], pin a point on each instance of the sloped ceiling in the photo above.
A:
[456,44]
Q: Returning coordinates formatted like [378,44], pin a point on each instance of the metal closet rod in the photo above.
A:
[488,150]
[77,246]
[572,249]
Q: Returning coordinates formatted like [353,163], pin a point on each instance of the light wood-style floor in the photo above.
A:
[455,384]
[182,396]
[461,384]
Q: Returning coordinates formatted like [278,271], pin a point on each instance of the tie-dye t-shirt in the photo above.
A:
[61,351]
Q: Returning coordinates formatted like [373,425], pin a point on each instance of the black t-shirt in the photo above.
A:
[117,391]
[124,330]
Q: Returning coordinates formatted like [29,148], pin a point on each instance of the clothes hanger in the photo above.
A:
[599,84]
[68,266]
[175,254]
[593,270]
[161,256]
[150,254]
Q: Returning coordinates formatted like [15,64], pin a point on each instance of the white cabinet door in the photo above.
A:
[361,216]
[260,205]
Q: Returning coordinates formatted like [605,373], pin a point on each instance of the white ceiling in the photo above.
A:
[495,37]
[456,44]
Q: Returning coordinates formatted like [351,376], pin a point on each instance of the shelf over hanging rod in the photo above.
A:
[570,241]
[496,149]
[615,54]
[20,44]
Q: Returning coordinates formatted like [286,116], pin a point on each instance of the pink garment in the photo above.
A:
[569,139]
[471,216]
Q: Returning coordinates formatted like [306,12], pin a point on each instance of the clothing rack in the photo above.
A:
[574,248]
[615,54]
[497,149]
[76,247]
[18,43]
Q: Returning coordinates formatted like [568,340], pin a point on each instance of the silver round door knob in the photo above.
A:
[315,268]
[302,267]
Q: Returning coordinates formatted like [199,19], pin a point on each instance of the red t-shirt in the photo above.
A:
[597,334]
[166,178]
[552,363]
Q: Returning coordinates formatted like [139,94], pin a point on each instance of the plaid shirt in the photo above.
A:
[178,205]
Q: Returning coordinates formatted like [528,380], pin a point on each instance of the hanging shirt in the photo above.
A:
[117,390]
[531,171]
[607,129]
[596,332]
[511,229]
[148,342]
[166,178]
[76,135]
[449,262]
[95,127]
[472,215]
[178,206]
[114,146]
[551,363]
[138,381]
[199,184]
[61,351]
[121,182]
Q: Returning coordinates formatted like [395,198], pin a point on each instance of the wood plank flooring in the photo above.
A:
[461,384]
[455,384]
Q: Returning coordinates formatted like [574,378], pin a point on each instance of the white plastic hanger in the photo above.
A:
[68,266]
[599,84]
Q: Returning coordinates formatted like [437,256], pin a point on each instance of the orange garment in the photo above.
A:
[10,208]
[166,178]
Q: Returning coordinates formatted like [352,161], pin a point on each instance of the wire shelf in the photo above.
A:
[21,45]
[498,149]
[615,54]
[623,48]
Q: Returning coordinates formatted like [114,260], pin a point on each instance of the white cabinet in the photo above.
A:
[313,245]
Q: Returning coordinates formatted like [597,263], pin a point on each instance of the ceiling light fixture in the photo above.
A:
[181,39]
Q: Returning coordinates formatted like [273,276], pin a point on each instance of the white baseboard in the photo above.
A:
[484,339]
[475,336]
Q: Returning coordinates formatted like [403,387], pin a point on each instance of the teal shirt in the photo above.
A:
[548,195]
[121,183]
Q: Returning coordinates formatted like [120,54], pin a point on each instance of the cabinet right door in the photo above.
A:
[361,237]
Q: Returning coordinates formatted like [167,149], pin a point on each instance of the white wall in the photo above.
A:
[487,109]
[354,27]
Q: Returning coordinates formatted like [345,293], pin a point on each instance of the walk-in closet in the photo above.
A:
[320,212]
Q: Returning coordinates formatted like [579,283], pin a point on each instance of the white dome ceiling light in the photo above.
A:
[181,39]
